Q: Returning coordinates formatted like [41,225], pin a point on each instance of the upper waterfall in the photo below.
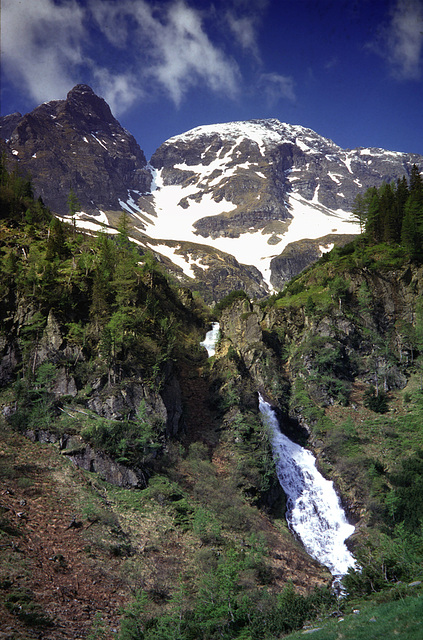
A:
[314,510]
[211,339]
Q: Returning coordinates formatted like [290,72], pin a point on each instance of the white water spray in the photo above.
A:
[314,511]
[211,338]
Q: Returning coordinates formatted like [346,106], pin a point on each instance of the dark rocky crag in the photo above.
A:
[77,144]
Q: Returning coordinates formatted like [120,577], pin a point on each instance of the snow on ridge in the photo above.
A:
[268,132]
[378,151]
[264,132]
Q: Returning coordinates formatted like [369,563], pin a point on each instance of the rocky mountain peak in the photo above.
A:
[82,102]
[77,144]
[8,124]
[221,205]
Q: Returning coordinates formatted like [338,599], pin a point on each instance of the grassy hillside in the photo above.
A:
[98,349]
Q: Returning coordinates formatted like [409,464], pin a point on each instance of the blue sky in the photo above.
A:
[350,70]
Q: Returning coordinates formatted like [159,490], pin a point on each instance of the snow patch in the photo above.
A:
[347,161]
[324,249]
[335,177]
[310,220]
[99,142]
[102,217]
[186,263]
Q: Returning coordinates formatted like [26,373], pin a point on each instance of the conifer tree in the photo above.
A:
[374,229]
[401,195]
[387,212]
[412,227]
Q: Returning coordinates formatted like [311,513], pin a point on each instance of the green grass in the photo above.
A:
[402,620]
[319,294]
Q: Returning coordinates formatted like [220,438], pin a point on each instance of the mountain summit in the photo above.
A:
[77,144]
[225,206]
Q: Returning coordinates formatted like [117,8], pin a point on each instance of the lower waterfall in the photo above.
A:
[314,511]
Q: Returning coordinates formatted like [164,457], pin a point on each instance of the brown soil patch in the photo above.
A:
[47,556]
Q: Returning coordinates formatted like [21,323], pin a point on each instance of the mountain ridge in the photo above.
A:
[248,189]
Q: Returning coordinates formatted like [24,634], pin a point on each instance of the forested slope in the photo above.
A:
[101,367]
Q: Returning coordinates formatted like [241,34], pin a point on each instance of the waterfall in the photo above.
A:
[211,338]
[314,511]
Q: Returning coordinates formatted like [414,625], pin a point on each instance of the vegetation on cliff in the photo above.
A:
[350,335]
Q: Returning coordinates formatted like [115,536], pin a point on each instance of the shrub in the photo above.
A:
[228,300]
[377,402]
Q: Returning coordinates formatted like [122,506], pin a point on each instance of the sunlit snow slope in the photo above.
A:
[251,188]
[247,190]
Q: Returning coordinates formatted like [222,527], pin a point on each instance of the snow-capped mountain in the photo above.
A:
[252,188]
[223,206]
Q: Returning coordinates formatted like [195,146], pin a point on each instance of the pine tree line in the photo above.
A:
[393,213]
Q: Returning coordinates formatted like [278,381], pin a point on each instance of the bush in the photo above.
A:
[377,402]
[228,300]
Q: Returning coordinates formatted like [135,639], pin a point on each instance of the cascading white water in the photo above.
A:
[314,511]
[211,338]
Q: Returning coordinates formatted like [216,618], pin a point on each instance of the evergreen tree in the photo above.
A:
[374,229]
[401,195]
[56,240]
[73,203]
[359,212]
[412,227]
[387,212]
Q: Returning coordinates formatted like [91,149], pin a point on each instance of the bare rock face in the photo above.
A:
[77,144]
[298,255]
[109,470]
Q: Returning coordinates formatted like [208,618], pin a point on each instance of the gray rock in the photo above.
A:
[87,458]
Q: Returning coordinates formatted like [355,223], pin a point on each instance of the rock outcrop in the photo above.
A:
[297,256]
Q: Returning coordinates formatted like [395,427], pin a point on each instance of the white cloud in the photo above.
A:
[42,45]
[120,91]
[244,29]
[182,53]
[276,87]
[400,42]
[126,50]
